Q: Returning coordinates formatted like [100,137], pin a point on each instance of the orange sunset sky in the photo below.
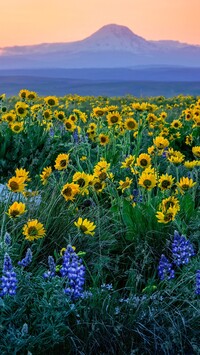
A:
[26,22]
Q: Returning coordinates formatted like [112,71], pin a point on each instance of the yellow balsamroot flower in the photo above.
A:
[47,114]
[160,142]
[130,124]
[36,108]
[85,226]
[143,161]
[16,209]
[73,117]
[91,135]
[139,107]
[45,174]
[190,164]
[123,185]
[166,216]
[33,229]
[51,101]
[82,179]
[31,95]
[103,139]
[69,191]
[185,184]
[61,161]
[16,127]
[168,202]
[163,115]
[128,162]
[83,117]
[111,108]
[22,173]
[152,119]
[188,115]
[16,184]
[114,118]
[147,180]
[98,185]
[165,182]
[23,93]
[101,169]
[60,115]
[151,150]
[99,111]
[164,132]
[92,127]
[21,109]
[196,113]
[69,125]
[196,151]
[175,157]
[196,122]
[83,158]
[176,124]
[9,117]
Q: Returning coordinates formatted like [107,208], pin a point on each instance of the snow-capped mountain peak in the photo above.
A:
[115,37]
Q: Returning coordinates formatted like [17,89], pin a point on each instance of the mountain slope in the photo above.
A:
[111,46]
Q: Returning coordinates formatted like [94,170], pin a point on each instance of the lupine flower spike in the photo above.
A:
[9,279]
[73,269]
[165,270]
[198,282]
[182,249]
[52,268]
[27,260]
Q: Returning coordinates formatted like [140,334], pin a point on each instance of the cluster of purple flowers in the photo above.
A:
[136,196]
[75,136]
[7,239]
[52,268]
[27,260]
[9,279]
[74,270]
[182,249]
[165,270]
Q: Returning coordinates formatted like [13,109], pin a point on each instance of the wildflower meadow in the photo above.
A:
[100,225]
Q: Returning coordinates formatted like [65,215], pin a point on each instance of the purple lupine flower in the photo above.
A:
[7,239]
[9,279]
[27,260]
[51,132]
[182,249]
[76,136]
[52,268]
[197,291]
[136,196]
[73,269]
[165,270]
[164,154]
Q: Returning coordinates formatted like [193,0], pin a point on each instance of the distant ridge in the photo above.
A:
[112,46]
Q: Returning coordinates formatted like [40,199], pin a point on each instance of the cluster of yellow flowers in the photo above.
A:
[148,132]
